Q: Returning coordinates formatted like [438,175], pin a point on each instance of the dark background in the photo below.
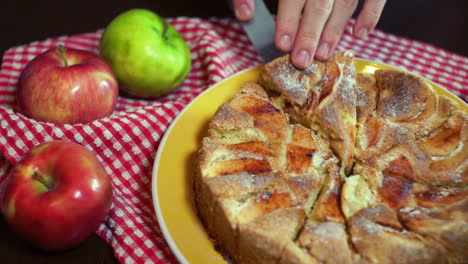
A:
[443,23]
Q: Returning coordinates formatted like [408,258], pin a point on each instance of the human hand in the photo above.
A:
[309,28]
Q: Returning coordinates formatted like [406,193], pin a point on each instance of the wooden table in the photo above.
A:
[441,23]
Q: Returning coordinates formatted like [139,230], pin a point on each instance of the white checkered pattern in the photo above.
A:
[126,142]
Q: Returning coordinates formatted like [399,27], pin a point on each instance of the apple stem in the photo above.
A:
[47,182]
[61,50]
[165,28]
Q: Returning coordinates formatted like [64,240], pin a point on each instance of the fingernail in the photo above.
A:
[285,42]
[302,59]
[322,52]
[243,11]
[362,33]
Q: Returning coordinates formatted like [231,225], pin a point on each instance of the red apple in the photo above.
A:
[56,196]
[67,86]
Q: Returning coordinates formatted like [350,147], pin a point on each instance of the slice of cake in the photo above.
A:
[322,97]
[258,176]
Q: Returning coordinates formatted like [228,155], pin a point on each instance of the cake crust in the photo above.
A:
[324,165]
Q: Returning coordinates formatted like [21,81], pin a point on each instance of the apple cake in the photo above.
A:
[324,165]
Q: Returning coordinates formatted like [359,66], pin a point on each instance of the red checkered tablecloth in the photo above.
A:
[126,142]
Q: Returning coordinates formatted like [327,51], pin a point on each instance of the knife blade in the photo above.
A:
[261,31]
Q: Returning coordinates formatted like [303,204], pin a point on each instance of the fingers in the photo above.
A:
[312,28]
[342,12]
[368,18]
[287,21]
[314,18]
[243,9]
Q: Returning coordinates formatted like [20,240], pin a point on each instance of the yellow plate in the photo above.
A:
[173,167]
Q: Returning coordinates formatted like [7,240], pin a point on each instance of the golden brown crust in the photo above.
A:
[280,75]
[446,224]
[414,157]
[328,207]
[402,96]
[294,254]
[336,113]
[227,118]
[263,240]
[366,95]
[327,242]
[256,166]
[378,237]
[269,189]
[322,97]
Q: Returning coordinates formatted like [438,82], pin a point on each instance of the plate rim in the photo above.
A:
[154,182]
[154,177]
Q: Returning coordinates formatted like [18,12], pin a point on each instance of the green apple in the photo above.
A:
[146,53]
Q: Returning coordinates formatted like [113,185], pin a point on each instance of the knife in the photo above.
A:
[261,31]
